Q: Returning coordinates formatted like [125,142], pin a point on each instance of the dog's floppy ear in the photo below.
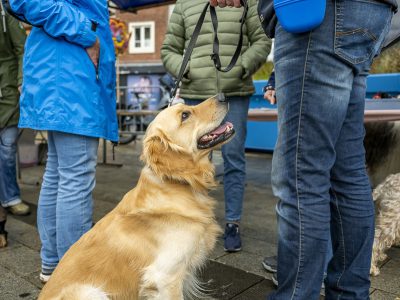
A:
[153,146]
[172,162]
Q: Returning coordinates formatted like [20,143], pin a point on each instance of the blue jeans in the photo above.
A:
[318,170]
[65,202]
[233,154]
[9,189]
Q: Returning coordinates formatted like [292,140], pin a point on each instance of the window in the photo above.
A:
[142,39]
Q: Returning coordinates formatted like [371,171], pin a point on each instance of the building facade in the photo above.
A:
[140,67]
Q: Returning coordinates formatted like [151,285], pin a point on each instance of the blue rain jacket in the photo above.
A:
[62,90]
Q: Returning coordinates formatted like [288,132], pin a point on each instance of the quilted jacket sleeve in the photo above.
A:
[174,42]
[18,37]
[58,19]
[260,45]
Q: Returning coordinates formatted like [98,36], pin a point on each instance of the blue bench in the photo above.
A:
[261,136]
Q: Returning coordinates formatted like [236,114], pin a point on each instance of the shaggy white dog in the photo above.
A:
[387,227]
[382,145]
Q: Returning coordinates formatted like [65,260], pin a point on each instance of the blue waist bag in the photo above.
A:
[298,16]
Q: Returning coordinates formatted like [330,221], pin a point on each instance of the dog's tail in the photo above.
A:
[82,292]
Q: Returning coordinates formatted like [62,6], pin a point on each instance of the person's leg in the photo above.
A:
[10,195]
[9,190]
[233,154]
[352,208]
[313,91]
[311,107]
[352,224]
[192,102]
[77,159]
[46,213]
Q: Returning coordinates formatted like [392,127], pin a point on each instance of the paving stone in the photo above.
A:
[11,244]
[218,250]
[247,262]
[226,282]
[23,233]
[389,279]
[20,260]
[381,295]
[34,279]
[258,291]
[393,253]
[14,287]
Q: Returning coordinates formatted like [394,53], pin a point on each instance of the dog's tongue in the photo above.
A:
[221,129]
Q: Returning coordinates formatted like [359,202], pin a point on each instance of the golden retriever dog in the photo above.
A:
[152,243]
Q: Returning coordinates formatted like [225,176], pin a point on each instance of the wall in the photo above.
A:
[160,16]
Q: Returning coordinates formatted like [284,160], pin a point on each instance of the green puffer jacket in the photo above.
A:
[199,81]
[12,41]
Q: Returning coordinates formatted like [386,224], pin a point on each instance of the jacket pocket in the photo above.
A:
[359,29]
[96,68]
[98,64]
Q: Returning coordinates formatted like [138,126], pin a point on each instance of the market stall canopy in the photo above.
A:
[139,4]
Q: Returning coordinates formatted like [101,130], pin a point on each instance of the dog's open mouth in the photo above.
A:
[217,136]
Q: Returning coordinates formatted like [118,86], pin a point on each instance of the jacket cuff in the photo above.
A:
[87,36]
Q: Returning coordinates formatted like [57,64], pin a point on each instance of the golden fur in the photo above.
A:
[150,245]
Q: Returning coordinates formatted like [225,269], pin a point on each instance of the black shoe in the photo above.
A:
[270,263]
[232,240]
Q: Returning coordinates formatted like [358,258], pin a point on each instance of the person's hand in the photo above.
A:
[94,52]
[223,3]
[20,89]
[270,96]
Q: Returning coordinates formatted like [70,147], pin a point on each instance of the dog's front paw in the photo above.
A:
[374,271]
[383,257]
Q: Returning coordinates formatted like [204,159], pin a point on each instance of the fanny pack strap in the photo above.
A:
[215,54]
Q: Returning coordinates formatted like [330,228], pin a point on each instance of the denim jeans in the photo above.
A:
[319,170]
[65,202]
[233,154]
[9,189]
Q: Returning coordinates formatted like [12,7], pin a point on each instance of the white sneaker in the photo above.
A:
[44,278]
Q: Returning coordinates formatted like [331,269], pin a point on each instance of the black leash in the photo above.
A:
[215,55]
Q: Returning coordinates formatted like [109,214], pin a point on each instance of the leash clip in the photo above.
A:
[214,58]
[221,97]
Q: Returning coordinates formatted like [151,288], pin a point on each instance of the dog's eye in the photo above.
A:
[185,115]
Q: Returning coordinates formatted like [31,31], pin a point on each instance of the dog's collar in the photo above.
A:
[167,178]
